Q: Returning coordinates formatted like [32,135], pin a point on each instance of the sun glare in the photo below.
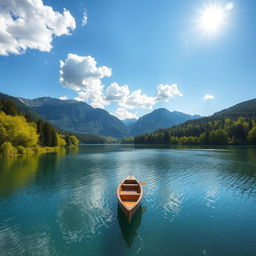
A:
[213,17]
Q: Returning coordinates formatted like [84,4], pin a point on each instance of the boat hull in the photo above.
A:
[129,214]
[129,193]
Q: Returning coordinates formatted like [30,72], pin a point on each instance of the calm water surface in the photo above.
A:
[197,201]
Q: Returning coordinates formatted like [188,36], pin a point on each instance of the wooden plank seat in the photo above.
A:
[131,192]
[130,185]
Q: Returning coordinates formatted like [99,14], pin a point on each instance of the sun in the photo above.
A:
[212,18]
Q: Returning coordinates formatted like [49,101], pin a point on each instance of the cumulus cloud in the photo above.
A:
[123,114]
[81,73]
[138,100]
[208,97]
[85,17]
[31,24]
[166,92]
[63,98]
[95,98]
[116,92]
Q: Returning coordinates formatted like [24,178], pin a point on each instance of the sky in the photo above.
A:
[130,57]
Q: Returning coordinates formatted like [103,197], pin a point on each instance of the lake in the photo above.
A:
[197,201]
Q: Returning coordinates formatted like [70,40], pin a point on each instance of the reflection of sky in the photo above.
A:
[173,203]
[87,209]
[212,194]
[15,242]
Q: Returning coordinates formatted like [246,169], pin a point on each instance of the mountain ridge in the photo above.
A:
[77,116]
[233,125]
[159,118]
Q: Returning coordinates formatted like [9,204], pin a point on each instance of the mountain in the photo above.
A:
[129,122]
[159,118]
[245,109]
[234,125]
[77,116]
[21,106]
[33,116]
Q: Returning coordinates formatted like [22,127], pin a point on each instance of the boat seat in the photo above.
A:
[124,193]
[130,185]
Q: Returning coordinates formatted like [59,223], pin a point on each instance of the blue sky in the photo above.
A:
[142,44]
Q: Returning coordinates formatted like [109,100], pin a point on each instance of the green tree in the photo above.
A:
[204,138]
[9,108]
[218,137]
[68,140]
[8,149]
[61,141]
[166,138]
[252,135]
[74,140]
[40,131]
[16,130]
[49,135]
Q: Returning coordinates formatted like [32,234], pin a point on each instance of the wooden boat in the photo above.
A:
[129,193]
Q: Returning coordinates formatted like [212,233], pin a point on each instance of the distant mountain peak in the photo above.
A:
[160,110]
[158,118]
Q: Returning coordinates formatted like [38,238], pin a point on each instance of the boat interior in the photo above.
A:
[129,192]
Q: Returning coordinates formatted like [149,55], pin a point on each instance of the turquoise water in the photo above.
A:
[197,201]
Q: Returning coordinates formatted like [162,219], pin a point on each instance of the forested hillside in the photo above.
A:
[78,117]
[19,134]
[235,125]
[19,107]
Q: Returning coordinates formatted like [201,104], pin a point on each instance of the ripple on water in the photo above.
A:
[14,242]
[194,200]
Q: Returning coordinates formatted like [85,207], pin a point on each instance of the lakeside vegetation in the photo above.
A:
[235,125]
[21,133]
[214,132]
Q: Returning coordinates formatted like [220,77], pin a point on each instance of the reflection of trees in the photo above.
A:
[72,150]
[17,172]
[129,229]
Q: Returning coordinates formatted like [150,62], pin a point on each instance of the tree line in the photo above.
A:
[20,133]
[219,132]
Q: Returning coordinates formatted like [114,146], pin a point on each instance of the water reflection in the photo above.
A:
[129,229]
[66,203]
[17,172]
[72,150]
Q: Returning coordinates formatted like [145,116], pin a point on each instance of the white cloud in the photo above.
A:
[229,6]
[81,73]
[95,98]
[208,97]
[123,114]
[31,24]
[166,92]
[116,92]
[63,98]
[138,100]
[85,17]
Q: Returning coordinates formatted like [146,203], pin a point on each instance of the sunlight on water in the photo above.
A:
[65,202]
